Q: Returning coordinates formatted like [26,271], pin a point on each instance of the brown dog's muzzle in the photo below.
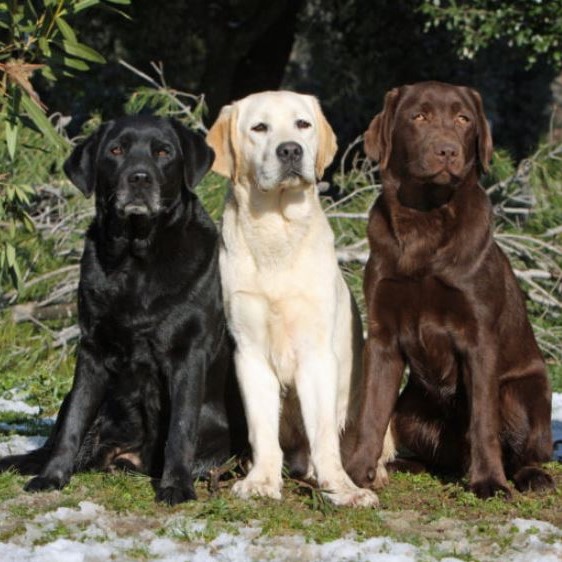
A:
[441,159]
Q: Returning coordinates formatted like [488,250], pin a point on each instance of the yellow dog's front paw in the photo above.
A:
[250,487]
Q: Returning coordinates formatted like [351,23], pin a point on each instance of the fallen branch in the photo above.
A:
[32,310]
[66,335]
[360,216]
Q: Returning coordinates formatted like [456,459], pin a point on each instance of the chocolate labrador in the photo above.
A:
[443,300]
[154,358]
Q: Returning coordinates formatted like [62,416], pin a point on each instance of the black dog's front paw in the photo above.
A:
[488,488]
[45,483]
[172,495]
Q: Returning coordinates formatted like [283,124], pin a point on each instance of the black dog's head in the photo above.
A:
[138,166]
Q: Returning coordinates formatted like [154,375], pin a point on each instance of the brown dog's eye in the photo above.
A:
[302,124]
[116,151]
[419,117]
[161,153]
[260,128]
[463,119]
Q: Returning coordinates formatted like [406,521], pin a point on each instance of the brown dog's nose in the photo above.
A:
[289,152]
[446,150]
[139,178]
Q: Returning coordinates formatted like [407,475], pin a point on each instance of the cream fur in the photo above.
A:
[287,304]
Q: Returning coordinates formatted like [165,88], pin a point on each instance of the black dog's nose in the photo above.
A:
[447,150]
[139,178]
[289,152]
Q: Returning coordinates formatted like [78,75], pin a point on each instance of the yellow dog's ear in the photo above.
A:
[327,142]
[221,138]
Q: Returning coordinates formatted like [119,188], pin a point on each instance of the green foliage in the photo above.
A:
[37,37]
[534,26]
[165,101]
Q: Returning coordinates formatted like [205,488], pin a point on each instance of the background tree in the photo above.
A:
[347,52]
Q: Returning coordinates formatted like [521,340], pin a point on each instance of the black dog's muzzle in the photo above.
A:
[138,194]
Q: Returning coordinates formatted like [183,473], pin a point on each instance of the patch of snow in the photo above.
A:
[18,406]
[535,526]
[86,512]
[19,444]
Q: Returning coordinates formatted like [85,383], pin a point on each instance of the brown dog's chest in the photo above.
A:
[434,322]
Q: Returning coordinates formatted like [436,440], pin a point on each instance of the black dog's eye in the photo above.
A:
[419,117]
[302,124]
[116,150]
[161,153]
[260,128]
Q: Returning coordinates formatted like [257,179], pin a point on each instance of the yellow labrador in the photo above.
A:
[297,331]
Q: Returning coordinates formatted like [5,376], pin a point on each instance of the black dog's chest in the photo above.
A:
[124,315]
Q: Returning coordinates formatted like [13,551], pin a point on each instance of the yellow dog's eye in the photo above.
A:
[419,117]
[302,124]
[116,151]
[463,119]
[260,128]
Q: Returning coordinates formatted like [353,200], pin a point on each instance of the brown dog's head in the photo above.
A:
[430,133]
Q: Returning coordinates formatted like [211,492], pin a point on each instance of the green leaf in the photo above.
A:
[28,223]
[84,5]
[122,2]
[66,30]
[48,74]
[44,46]
[40,120]
[77,64]
[11,138]
[82,51]
[10,254]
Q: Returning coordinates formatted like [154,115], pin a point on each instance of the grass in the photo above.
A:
[417,509]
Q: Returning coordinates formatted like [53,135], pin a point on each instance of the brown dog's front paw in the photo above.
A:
[362,475]
[488,488]
[173,495]
[533,478]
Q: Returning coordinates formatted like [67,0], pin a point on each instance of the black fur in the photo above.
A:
[154,360]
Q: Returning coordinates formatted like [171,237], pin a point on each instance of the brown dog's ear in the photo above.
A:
[221,138]
[485,146]
[327,141]
[378,137]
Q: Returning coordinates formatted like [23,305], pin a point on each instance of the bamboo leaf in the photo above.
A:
[66,30]
[44,46]
[11,138]
[82,51]
[10,254]
[40,120]
[84,5]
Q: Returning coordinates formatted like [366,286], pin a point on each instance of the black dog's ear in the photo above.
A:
[198,156]
[80,166]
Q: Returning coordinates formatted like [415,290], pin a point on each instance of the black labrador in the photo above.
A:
[154,378]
